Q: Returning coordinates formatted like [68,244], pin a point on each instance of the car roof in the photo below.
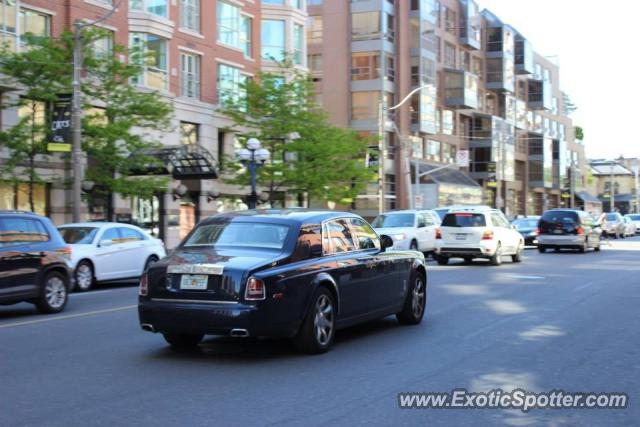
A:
[17,212]
[297,216]
[98,224]
[476,209]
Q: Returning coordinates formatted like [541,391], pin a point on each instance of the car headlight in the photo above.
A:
[400,236]
[533,233]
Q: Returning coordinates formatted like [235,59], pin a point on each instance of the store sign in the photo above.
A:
[462,158]
[60,139]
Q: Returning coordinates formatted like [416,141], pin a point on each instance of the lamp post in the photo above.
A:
[253,156]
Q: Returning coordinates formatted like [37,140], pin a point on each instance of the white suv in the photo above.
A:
[477,233]
[411,229]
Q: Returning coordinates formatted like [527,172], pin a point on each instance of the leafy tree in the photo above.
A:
[579,133]
[42,71]
[327,162]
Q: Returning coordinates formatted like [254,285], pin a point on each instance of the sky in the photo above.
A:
[596,45]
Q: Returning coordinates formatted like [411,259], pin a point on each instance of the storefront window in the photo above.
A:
[16,197]
[145,213]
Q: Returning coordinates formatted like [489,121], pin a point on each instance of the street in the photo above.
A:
[557,321]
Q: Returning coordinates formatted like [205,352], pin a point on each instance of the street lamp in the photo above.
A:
[253,157]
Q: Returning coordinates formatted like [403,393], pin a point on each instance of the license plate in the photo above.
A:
[194,282]
[557,231]
[461,237]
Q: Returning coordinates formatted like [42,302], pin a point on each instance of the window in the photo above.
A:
[103,47]
[298,43]
[190,14]
[156,7]
[433,150]
[448,127]
[314,30]
[449,20]
[35,23]
[365,66]
[309,239]
[239,234]
[190,75]
[246,26]
[152,56]
[276,2]
[130,235]
[449,55]
[365,26]
[464,219]
[8,22]
[110,234]
[229,80]
[364,105]
[189,133]
[314,61]
[228,24]
[448,153]
[78,235]
[16,197]
[364,235]
[338,237]
[273,40]
[17,231]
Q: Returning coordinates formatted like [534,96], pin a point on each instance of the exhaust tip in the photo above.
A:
[147,327]
[239,333]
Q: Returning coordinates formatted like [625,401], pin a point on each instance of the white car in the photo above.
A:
[410,229]
[102,251]
[630,226]
[479,232]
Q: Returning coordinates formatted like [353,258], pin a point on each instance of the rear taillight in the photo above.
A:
[579,231]
[538,231]
[65,252]
[487,235]
[255,290]
[144,285]
[438,233]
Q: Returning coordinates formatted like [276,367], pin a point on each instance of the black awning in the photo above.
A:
[187,161]
[587,197]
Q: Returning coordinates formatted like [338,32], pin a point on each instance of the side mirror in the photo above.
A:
[385,242]
[105,243]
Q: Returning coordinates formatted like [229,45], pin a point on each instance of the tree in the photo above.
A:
[113,131]
[327,162]
[579,133]
[42,71]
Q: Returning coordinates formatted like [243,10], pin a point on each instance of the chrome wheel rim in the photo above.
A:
[323,321]
[84,276]
[418,298]
[55,292]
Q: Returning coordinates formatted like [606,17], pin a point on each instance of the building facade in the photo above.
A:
[480,87]
[202,50]
[616,183]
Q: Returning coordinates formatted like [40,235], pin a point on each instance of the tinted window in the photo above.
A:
[130,235]
[612,217]
[364,235]
[310,237]
[394,220]
[241,234]
[110,234]
[634,217]
[338,237]
[559,216]
[421,221]
[525,223]
[78,235]
[498,220]
[464,219]
[16,231]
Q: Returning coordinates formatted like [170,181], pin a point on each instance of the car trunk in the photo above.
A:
[206,274]
[559,223]
[463,227]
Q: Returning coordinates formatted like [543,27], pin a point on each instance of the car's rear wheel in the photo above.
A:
[496,259]
[182,341]
[84,276]
[542,249]
[468,260]
[585,245]
[54,294]
[442,260]
[518,255]
[318,328]
[415,303]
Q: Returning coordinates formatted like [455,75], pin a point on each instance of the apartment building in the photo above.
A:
[482,88]
[202,51]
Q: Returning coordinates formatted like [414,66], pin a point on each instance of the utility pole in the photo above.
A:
[611,189]
[636,169]
[78,156]
[572,189]
[381,123]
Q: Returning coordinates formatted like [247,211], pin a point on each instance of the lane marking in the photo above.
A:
[68,316]
[519,276]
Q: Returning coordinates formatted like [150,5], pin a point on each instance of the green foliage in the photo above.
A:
[328,162]
[579,133]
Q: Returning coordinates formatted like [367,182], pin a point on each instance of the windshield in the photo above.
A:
[393,220]
[78,235]
[242,234]
[464,220]
[612,217]
[525,223]
[634,217]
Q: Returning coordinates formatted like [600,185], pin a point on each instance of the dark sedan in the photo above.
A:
[294,274]
[528,228]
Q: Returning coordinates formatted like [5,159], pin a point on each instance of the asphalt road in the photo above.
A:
[556,321]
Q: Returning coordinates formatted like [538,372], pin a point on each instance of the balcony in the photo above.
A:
[461,89]
[500,41]
[493,147]
[540,162]
[500,74]
[539,95]
[523,56]
[470,24]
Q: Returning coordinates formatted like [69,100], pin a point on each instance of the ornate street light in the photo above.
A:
[253,157]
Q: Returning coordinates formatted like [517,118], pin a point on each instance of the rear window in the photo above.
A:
[17,231]
[612,217]
[239,234]
[634,217]
[463,219]
[560,217]
[525,223]
[78,235]
[393,220]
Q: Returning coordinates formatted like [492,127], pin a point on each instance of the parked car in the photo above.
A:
[33,262]
[410,229]
[614,225]
[299,275]
[630,228]
[568,229]
[528,228]
[104,251]
[477,232]
[635,218]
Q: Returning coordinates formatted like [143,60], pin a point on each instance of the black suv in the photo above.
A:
[33,262]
